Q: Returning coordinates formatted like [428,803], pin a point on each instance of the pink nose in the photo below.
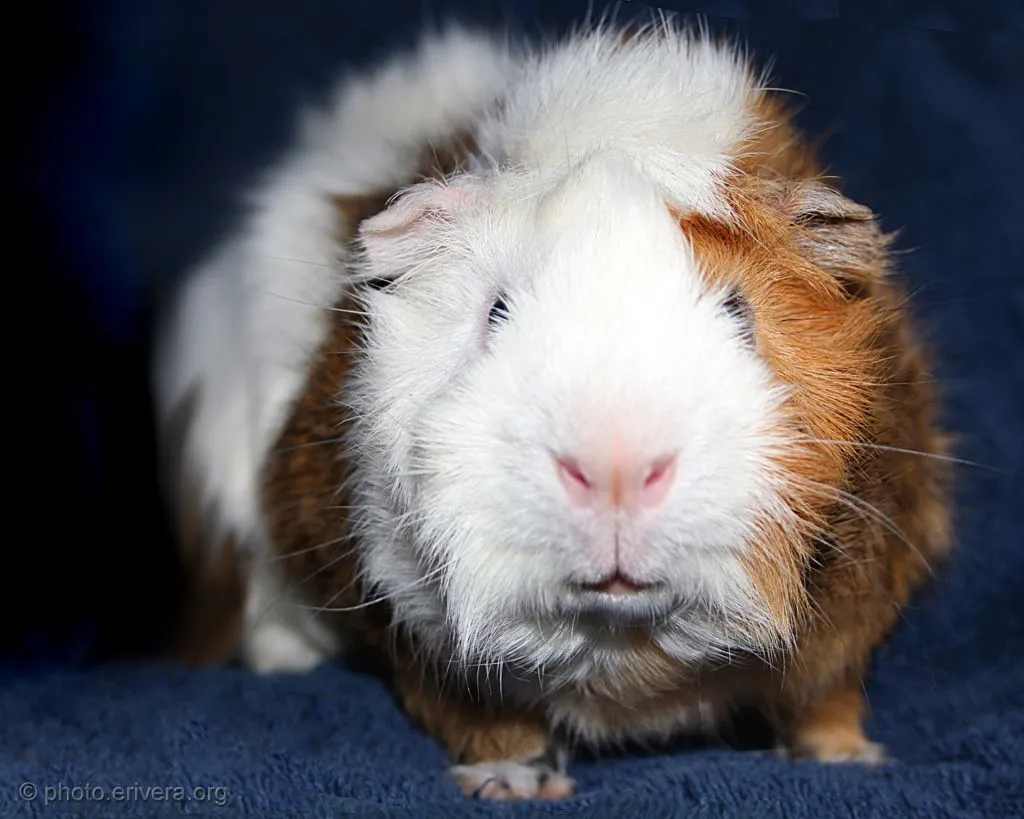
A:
[620,483]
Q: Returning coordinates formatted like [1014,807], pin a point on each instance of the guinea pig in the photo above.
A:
[560,379]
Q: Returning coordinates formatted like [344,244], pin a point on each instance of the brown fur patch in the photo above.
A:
[304,493]
[831,730]
[835,329]
[473,731]
[821,346]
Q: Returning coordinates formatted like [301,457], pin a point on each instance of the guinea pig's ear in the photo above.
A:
[839,235]
[392,238]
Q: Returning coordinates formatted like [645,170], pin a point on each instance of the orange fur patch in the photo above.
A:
[831,730]
[820,344]
[869,519]
[471,730]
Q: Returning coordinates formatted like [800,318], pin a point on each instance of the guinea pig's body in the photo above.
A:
[611,422]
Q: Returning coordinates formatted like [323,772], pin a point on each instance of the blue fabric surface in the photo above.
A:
[137,167]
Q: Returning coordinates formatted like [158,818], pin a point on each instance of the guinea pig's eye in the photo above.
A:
[739,310]
[499,311]
[378,283]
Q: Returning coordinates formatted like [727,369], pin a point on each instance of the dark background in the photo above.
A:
[143,120]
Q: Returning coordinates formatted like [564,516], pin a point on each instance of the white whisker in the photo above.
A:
[899,450]
[866,510]
[299,261]
[286,555]
[425,578]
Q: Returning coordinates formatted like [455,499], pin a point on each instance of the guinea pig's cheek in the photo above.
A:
[488,600]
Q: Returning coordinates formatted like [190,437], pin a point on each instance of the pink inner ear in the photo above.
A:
[415,204]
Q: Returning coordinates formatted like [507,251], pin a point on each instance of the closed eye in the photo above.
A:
[739,310]
[379,283]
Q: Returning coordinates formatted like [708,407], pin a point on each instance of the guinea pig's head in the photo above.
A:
[579,412]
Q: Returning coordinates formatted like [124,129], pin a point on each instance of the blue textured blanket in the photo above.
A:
[165,110]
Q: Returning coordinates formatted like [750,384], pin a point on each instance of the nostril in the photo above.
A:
[658,481]
[576,483]
[570,468]
[661,471]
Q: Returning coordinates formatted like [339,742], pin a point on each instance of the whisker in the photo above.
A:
[292,502]
[427,577]
[400,523]
[286,555]
[826,316]
[295,586]
[780,90]
[307,445]
[909,302]
[866,510]
[329,307]
[299,261]
[832,546]
[900,450]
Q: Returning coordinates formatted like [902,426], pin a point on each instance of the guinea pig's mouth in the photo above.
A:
[617,584]
[618,600]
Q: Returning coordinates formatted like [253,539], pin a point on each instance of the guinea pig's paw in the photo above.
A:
[512,781]
[276,648]
[839,749]
[865,753]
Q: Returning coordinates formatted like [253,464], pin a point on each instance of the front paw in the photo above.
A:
[831,730]
[838,749]
[277,648]
[513,781]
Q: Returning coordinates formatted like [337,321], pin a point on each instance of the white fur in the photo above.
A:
[678,105]
[650,726]
[512,781]
[253,312]
[282,635]
[466,529]
[613,332]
